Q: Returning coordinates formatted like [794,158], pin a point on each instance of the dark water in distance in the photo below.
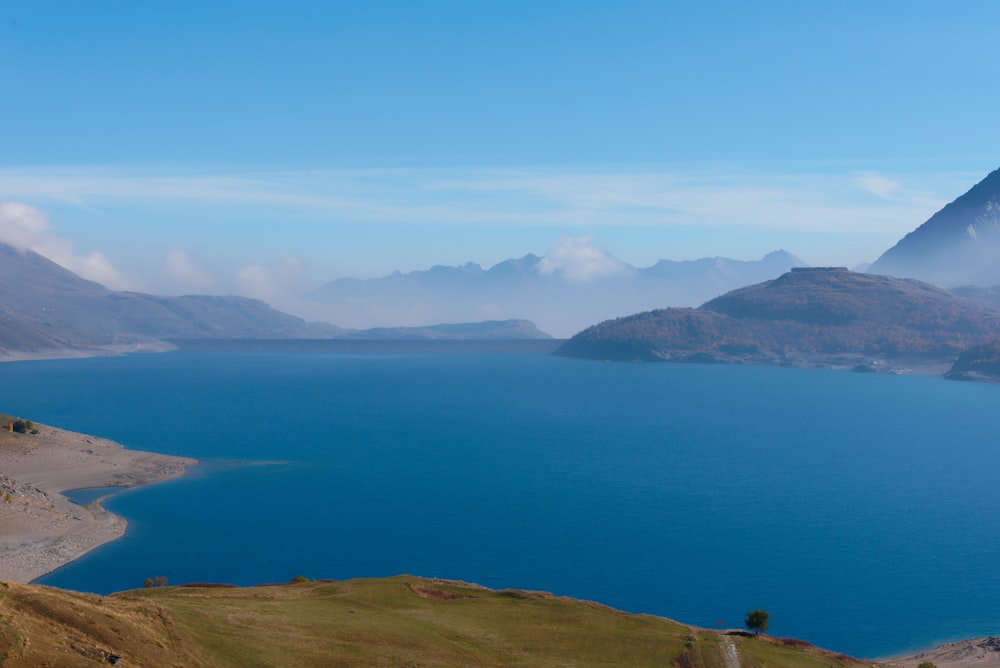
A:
[861,511]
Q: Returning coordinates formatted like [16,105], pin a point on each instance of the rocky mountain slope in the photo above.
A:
[958,245]
[806,317]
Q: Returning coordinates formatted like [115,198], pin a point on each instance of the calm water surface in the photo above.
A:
[862,511]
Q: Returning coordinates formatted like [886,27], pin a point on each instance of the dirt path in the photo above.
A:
[729,653]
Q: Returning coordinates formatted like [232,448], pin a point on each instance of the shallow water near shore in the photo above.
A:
[86,496]
[861,511]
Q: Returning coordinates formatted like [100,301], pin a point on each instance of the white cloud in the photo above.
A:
[878,184]
[274,283]
[818,210]
[600,196]
[579,260]
[22,225]
[26,227]
[181,269]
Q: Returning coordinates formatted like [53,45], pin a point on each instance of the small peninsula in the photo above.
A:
[40,529]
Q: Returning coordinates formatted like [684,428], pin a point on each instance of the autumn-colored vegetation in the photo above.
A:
[980,362]
[803,313]
[17,425]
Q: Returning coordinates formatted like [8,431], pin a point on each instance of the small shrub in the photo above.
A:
[683,660]
[513,593]
[300,578]
[23,426]
[209,585]
[927,664]
[794,642]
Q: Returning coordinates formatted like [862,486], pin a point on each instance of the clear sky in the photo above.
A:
[265,147]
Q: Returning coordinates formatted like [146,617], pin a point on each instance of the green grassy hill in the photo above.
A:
[399,621]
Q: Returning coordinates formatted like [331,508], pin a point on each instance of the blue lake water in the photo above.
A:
[861,511]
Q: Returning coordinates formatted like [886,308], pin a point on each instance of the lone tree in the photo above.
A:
[757,621]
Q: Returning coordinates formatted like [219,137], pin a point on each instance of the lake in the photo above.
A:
[862,511]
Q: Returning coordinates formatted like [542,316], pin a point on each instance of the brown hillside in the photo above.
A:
[400,621]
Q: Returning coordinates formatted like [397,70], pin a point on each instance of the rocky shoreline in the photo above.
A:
[974,653]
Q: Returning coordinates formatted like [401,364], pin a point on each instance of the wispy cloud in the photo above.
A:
[179,268]
[272,282]
[27,227]
[580,260]
[552,197]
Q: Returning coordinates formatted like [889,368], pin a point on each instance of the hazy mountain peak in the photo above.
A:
[21,268]
[960,244]
[782,255]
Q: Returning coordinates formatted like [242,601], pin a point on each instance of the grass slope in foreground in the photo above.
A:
[399,621]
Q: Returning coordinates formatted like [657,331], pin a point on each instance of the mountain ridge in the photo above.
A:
[560,295]
[47,310]
[959,244]
[806,317]
[49,307]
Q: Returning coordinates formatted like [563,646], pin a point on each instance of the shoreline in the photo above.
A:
[971,653]
[110,350]
[40,529]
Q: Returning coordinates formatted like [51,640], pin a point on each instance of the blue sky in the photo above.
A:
[262,148]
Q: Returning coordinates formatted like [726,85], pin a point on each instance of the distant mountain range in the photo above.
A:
[559,299]
[45,308]
[806,317]
[958,245]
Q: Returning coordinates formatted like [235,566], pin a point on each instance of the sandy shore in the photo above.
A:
[975,653]
[40,530]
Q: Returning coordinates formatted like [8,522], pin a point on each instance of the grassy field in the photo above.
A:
[399,621]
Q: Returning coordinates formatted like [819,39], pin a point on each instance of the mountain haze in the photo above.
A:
[46,307]
[958,245]
[560,294]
